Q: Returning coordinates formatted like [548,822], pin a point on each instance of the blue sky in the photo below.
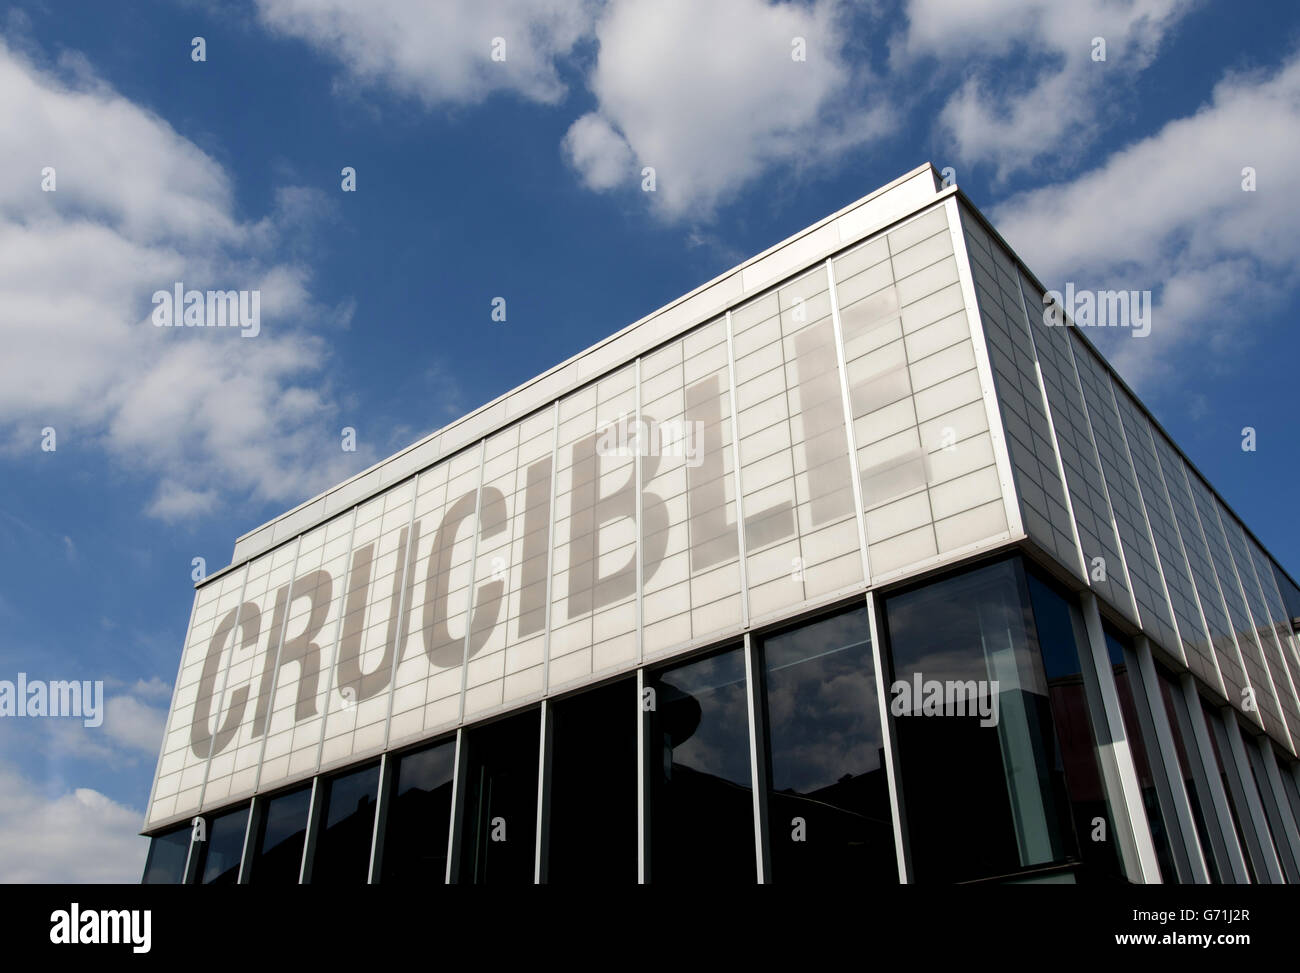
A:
[521,179]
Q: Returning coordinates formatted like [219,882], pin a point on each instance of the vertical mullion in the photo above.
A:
[473,567]
[1167,751]
[757,763]
[189,874]
[735,462]
[643,769]
[382,804]
[1138,854]
[313,830]
[456,818]
[1218,813]
[541,849]
[640,526]
[984,368]
[254,808]
[889,745]
[850,436]
[550,547]
[1286,813]
[1255,820]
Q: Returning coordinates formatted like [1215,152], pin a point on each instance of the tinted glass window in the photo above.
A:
[223,848]
[278,860]
[978,763]
[828,801]
[347,827]
[593,815]
[1229,787]
[419,819]
[500,829]
[702,811]
[1142,744]
[1060,637]
[166,862]
[1184,745]
[1273,812]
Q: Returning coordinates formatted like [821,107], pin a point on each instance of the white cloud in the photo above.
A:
[710,96]
[134,725]
[152,688]
[994,117]
[600,154]
[441,52]
[1168,214]
[136,209]
[77,837]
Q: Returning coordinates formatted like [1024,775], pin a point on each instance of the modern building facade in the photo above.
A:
[849,564]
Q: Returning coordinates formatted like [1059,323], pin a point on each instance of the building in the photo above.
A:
[850,563]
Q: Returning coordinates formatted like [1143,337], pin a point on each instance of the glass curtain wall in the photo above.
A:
[979,768]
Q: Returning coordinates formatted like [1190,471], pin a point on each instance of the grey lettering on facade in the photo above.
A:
[493,520]
[537,524]
[202,740]
[830,477]
[587,590]
[365,685]
[319,587]
[442,649]
[713,536]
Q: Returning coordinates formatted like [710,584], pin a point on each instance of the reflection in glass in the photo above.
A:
[1060,635]
[166,862]
[1273,819]
[702,812]
[222,850]
[1184,743]
[278,860]
[982,798]
[1135,728]
[347,828]
[500,829]
[828,799]
[419,819]
[1218,739]
[592,835]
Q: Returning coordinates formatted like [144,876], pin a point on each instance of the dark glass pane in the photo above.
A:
[978,764]
[593,819]
[1138,745]
[1287,769]
[1059,639]
[1290,593]
[702,810]
[1272,812]
[166,862]
[278,860]
[419,820]
[828,801]
[500,829]
[347,827]
[1183,740]
[224,847]
[1216,729]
